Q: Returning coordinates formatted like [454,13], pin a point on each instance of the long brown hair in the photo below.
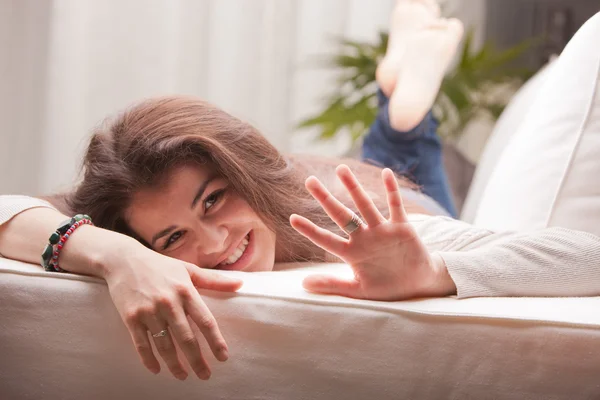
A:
[136,149]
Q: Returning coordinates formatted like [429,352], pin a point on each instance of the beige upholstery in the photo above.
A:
[505,129]
[61,338]
[547,174]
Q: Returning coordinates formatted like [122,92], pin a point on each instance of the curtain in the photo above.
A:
[67,64]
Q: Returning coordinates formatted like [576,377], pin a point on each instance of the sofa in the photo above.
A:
[61,337]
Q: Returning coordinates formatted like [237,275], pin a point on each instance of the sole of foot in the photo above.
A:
[408,17]
[426,58]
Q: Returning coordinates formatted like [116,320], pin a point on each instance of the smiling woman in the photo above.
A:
[191,181]
[207,223]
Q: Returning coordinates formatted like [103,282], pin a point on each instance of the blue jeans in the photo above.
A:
[416,154]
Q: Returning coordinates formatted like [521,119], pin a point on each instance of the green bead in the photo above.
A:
[54,238]
[47,255]
[65,225]
[48,250]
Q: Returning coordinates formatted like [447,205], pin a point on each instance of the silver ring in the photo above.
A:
[354,223]
[162,333]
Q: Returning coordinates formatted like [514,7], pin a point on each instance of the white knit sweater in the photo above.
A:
[546,262]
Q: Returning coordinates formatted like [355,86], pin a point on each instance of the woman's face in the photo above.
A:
[196,217]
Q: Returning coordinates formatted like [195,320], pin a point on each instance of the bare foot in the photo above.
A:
[426,57]
[408,17]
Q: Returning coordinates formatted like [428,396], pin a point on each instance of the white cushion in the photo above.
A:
[61,338]
[507,125]
[548,174]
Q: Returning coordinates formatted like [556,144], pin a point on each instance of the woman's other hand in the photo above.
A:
[389,260]
[152,293]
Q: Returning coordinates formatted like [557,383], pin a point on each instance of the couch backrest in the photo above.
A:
[547,175]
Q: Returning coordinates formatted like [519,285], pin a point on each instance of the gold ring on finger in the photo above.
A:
[162,333]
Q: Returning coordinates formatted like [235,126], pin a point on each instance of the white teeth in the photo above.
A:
[237,253]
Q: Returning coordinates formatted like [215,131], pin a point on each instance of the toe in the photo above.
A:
[456,26]
[434,6]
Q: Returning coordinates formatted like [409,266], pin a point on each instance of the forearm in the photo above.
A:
[480,262]
[24,236]
[549,262]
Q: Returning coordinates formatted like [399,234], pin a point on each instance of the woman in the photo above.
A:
[174,184]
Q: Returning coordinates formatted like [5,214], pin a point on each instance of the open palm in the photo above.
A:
[389,260]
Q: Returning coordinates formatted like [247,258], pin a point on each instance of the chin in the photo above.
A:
[265,260]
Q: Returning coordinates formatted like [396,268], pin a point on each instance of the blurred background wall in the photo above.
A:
[67,64]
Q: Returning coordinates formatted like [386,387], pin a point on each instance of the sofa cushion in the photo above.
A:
[548,173]
[61,338]
[507,125]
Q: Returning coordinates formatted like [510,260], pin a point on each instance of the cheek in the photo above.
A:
[187,254]
[239,211]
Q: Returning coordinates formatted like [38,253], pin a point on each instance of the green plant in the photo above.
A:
[464,93]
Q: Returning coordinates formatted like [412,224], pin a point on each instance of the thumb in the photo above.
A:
[326,284]
[211,280]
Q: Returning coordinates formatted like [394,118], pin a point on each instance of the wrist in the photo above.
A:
[93,251]
[444,285]
[108,258]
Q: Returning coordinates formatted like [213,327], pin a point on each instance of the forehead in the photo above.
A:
[175,191]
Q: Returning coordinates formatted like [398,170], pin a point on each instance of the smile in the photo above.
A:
[241,257]
[239,251]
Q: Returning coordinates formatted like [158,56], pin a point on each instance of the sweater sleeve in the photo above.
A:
[547,262]
[11,205]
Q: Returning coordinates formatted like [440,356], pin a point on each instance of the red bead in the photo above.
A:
[64,239]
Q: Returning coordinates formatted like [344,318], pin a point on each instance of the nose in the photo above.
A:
[212,239]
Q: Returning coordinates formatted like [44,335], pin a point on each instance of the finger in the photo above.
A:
[207,324]
[338,212]
[363,202]
[323,238]
[139,335]
[326,284]
[183,333]
[394,198]
[211,280]
[166,349]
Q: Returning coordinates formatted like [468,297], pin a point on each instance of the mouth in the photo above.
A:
[241,255]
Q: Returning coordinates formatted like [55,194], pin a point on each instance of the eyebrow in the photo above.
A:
[201,191]
[199,194]
[162,233]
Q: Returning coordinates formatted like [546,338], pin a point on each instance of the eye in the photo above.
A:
[213,198]
[173,238]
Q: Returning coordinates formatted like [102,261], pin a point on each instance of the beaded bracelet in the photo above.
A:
[58,239]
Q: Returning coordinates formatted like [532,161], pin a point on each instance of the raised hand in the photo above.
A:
[389,260]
